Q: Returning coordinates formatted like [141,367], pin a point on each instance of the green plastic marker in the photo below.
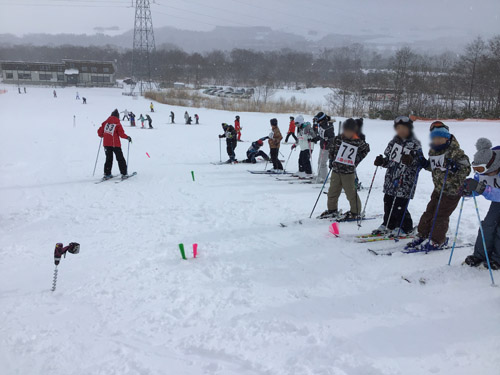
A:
[192,175]
[181,248]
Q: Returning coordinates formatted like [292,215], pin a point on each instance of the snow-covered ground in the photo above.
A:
[260,299]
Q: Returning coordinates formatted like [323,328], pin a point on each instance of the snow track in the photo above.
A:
[260,299]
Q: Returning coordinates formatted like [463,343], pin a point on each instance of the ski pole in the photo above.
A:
[438,203]
[456,231]
[128,152]
[287,160]
[320,192]
[220,151]
[97,158]
[369,192]
[482,236]
[396,239]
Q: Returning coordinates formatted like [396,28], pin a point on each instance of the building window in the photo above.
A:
[60,77]
[45,77]
[9,75]
[93,69]
[84,69]
[24,76]
[105,70]
[100,79]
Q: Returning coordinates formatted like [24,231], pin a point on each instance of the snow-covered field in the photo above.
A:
[260,299]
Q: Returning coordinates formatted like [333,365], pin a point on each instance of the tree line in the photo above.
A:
[364,82]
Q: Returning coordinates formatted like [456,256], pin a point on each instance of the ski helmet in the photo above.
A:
[115,113]
[260,142]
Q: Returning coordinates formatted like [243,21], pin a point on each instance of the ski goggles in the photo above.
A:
[438,124]
[402,120]
[482,168]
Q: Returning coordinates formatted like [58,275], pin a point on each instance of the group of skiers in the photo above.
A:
[403,160]
[188,120]
[131,116]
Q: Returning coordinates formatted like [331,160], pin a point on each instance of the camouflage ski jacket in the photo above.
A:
[437,165]
[344,161]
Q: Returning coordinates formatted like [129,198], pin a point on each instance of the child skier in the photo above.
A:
[142,119]
[231,142]
[305,137]
[237,126]
[197,119]
[151,107]
[132,118]
[172,117]
[125,114]
[486,182]
[186,117]
[275,138]
[150,121]
[326,134]
[346,152]
[449,166]
[111,131]
[291,130]
[400,177]
[254,151]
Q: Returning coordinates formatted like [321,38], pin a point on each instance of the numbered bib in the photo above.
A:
[109,129]
[493,181]
[437,162]
[346,154]
[396,152]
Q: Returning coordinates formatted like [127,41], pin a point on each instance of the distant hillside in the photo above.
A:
[228,38]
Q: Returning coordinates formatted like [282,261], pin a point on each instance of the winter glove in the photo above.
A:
[221,136]
[470,185]
[129,139]
[406,159]
[379,161]
[423,162]
[451,165]
[294,146]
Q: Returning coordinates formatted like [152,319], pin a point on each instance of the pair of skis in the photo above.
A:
[116,182]
[397,249]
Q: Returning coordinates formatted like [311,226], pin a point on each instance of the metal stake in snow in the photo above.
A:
[74,121]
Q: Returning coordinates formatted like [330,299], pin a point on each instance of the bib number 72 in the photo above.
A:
[346,154]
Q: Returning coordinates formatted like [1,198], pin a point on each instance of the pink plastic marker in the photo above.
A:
[334,229]
[195,250]
[148,155]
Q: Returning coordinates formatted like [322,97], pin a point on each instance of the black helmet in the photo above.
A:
[321,116]
[115,113]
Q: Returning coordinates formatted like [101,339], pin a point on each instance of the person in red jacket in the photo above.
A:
[111,131]
[237,127]
[291,130]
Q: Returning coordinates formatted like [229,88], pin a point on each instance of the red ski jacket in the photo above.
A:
[111,131]
[237,125]
[291,127]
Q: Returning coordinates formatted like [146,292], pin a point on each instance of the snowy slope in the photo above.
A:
[260,299]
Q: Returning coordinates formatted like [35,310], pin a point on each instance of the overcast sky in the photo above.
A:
[415,19]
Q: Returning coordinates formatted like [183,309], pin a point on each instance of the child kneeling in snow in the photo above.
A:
[450,167]
[486,182]
[346,152]
[254,151]
[400,177]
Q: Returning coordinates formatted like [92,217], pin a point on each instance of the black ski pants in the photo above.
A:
[108,165]
[491,228]
[288,136]
[397,213]
[230,147]
[305,161]
[275,159]
[251,156]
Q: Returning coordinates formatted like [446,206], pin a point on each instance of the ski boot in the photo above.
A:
[329,214]
[107,177]
[416,243]
[434,246]
[472,261]
[349,216]
[495,266]
[380,231]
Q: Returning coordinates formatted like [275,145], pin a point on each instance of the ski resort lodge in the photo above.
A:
[66,73]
